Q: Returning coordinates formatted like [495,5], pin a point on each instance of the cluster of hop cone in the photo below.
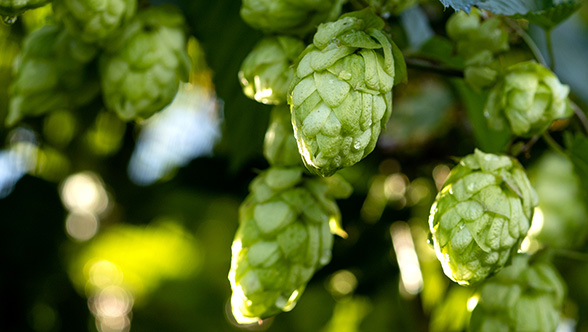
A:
[333,97]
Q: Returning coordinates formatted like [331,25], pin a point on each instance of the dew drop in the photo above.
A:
[9,20]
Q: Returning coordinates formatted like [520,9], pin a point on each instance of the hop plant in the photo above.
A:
[526,296]
[527,100]
[51,74]
[284,236]
[141,71]
[17,7]
[478,42]
[94,21]
[291,17]
[279,146]
[266,72]
[481,216]
[341,95]
[564,219]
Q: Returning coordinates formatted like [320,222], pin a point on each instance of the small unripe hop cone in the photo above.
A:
[481,216]
[341,95]
[284,236]
[526,296]
[527,100]
[266,72]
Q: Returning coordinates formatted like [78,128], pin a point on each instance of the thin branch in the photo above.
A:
[580,115]
[553,144]
[433,67]
[550,49]
[529,41]
[577,256]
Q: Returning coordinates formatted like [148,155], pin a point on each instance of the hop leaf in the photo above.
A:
[141,71]
[526,296]
[279,146]
[17,7]
[283,238]
[266,72]
[341,95]
[481,216]
[289,16]
[94,20]
[51,74]
[528,99]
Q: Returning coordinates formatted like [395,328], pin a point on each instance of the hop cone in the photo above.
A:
[94,20]
[283,238]
[478,42]
[17,7]
[527,100]
[341,95]
[142,70]
[481,216]
[526,296]
[279,146]
[51,74]
[266,72]
[293,17]
[564,219]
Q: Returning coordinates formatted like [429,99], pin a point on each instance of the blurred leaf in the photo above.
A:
[552,16]
[452,314]
[417,26]
[578,150]
[226,40]
[441,49]
[513,7]
[487,139]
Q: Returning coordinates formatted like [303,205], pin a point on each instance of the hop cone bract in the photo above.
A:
[17,7]
[283,238]
[267,71]
[478,42]
[51,74]
[526,296]
[279,145]
[481,216]
[341,95]
[527,100]
[141,71]
[294,17]
[94,21]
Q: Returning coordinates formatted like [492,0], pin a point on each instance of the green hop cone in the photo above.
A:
[279,145]
[341,95]
[293,17]
[51,73]
[284,236]
[562,214]
[266,72]
[481,216]
[525,296]
[16,7]
[94,21]
[141,71]
[478,42]
[527,100]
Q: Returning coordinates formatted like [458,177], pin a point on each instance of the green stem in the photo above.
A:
[529,41]
[550,49]
[553,144]
[432,67]
[577,256]
[580,115]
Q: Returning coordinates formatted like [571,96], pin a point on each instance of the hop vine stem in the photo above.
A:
[432,67]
